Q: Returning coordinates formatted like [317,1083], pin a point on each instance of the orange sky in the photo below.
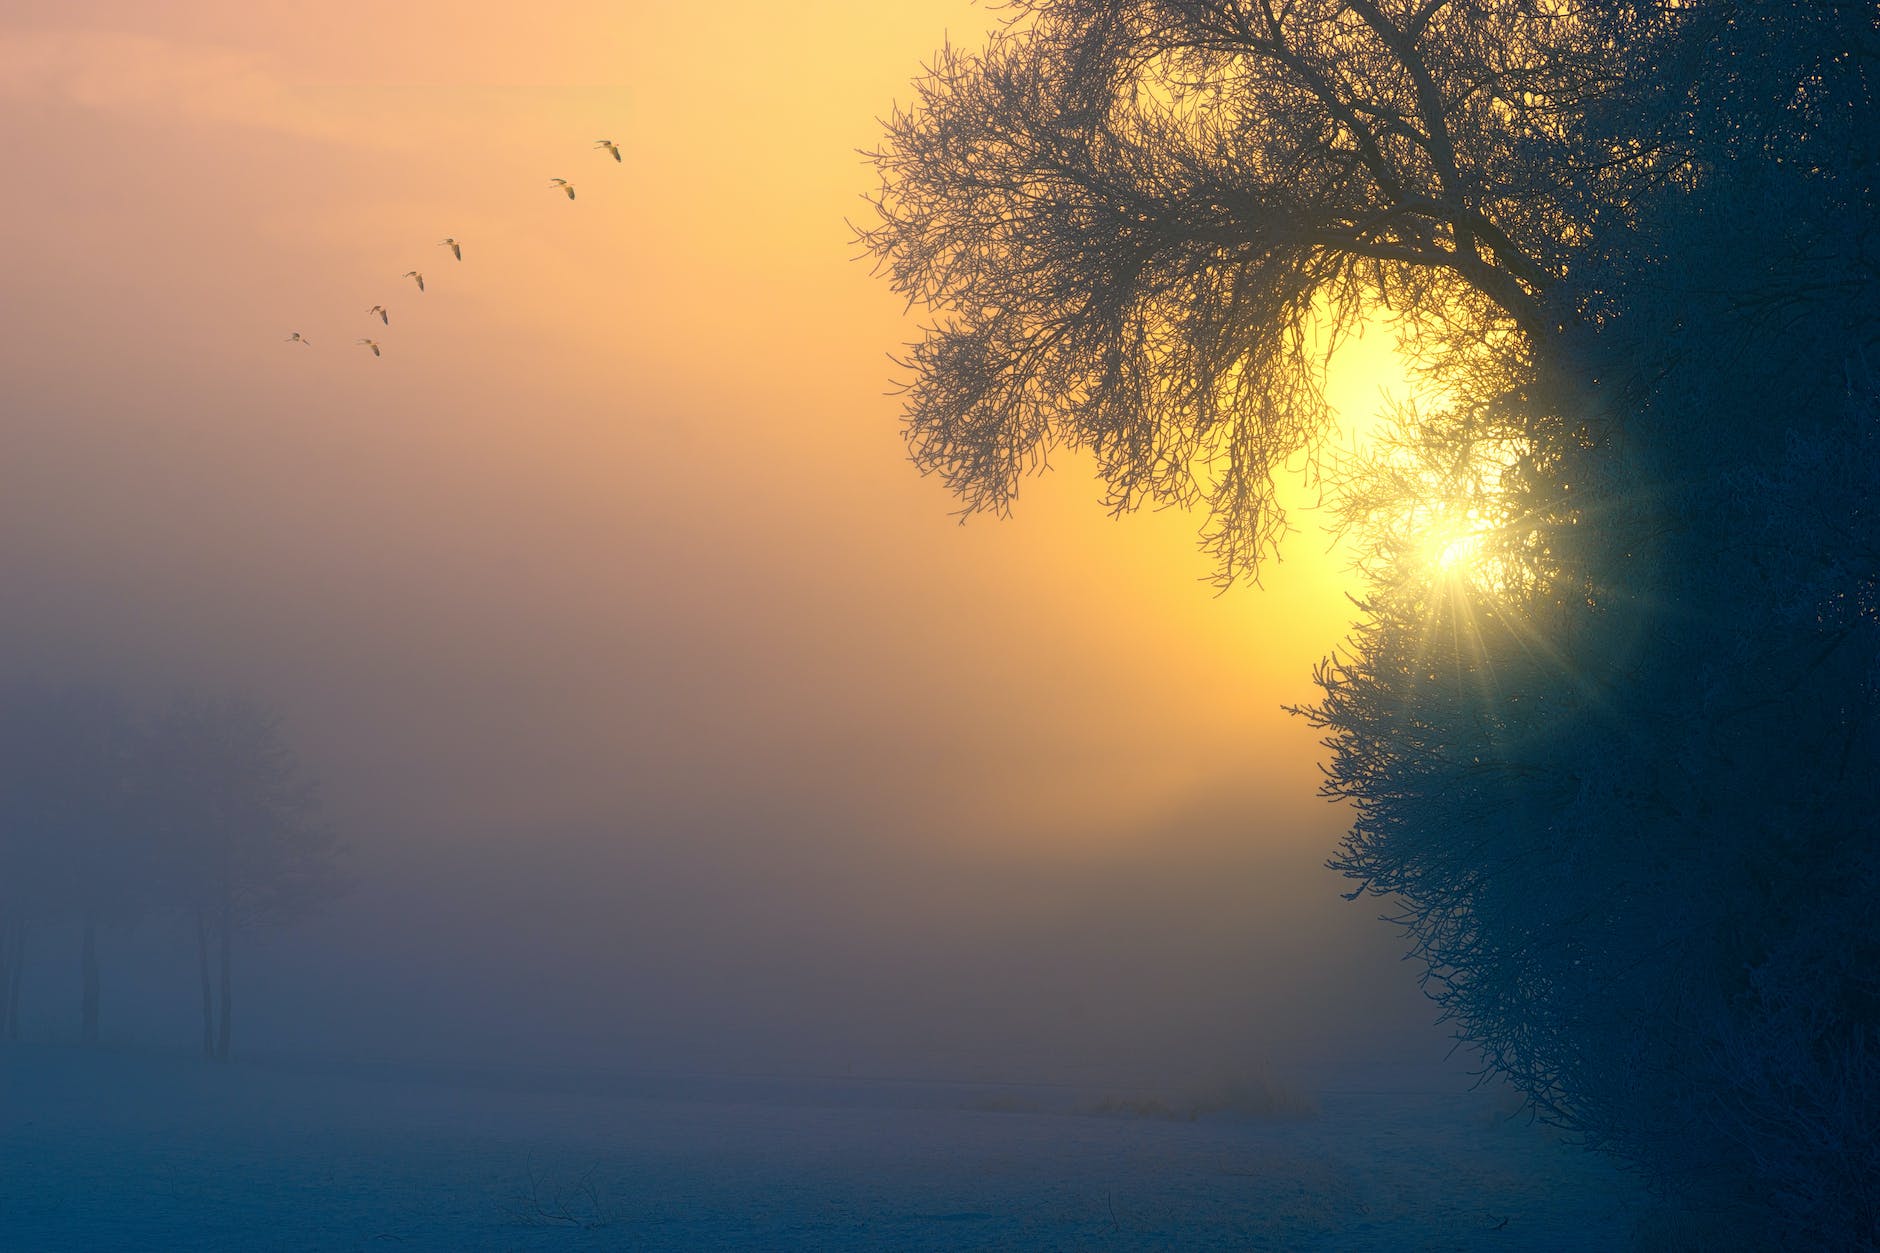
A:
[624,502]
[645,676]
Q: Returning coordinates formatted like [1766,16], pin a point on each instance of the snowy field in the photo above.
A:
[139,1153]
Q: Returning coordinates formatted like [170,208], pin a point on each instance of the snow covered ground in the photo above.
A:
[140,1152]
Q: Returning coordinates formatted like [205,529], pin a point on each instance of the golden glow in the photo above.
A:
[1453,544]
[1429,501]
[631,466]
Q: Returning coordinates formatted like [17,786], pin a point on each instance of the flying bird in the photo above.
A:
[378,311]
[298,338]
[416,277]
[610,145]
[450,242]
[373,344]
[564,184]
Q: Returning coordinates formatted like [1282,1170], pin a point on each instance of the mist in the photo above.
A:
[696,848]
[668,719]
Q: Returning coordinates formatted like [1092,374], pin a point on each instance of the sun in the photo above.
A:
[1435,497]
[1454,546]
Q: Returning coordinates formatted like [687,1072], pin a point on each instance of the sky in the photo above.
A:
[659,699]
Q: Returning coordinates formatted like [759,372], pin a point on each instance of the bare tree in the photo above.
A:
[1143,227]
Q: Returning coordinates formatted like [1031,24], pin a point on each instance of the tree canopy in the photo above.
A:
[1143,227]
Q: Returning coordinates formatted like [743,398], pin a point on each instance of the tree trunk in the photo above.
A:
[228,990]
[15,972]
[6,970]
[208,994]
[6,974]
[88,977]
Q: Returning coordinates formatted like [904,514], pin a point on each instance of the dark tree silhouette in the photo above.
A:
[1617,773]
[1624,786]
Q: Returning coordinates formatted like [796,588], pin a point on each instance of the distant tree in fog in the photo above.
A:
[201,811]
[72,844]
[244,844]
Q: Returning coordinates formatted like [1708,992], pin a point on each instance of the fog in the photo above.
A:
[669,720]
[753,943]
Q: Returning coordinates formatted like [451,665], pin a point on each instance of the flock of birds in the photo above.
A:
[456,250]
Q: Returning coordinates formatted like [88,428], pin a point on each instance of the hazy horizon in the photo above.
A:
[670,717]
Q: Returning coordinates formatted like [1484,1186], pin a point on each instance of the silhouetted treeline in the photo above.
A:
[1624,788]
[196,817]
